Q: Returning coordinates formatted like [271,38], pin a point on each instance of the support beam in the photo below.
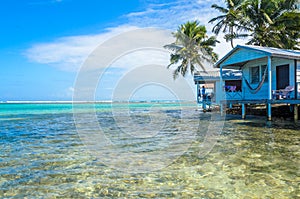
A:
[198,93]
[222,109]
[296,112]
[269,111]
[243,111]
[221,84]
[269,105]
[269,78]
[204,104]
[221,91]
[295,78]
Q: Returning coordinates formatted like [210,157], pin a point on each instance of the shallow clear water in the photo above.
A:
[42,155]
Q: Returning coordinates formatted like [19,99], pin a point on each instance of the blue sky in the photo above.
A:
[43,43]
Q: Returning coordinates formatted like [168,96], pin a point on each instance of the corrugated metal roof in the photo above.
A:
[268,51]
[215,75]
[208,73]
[274,51]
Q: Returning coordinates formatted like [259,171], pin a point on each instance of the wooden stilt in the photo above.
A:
[296,116]
[269,112]
[222,109]
[204,104]
[243,111]
[198,93]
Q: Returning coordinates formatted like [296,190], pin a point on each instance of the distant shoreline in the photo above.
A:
[92,102]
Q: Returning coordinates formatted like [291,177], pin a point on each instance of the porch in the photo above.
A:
[294,103]
[270,76]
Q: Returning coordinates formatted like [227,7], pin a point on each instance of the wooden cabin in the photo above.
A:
[269,75]
[232,81]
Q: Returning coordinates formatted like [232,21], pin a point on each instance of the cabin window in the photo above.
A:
[263,69]
[233,85]
[254,74]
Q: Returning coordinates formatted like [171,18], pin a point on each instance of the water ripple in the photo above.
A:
[42,156]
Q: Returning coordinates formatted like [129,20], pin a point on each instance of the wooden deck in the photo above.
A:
[262,101]
[294,102]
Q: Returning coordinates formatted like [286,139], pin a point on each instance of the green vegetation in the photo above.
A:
[228,22]
[192,47]
[271,23]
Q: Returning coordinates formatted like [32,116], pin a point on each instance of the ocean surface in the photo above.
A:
[144,150]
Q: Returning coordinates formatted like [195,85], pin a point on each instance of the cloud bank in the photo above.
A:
[69,53]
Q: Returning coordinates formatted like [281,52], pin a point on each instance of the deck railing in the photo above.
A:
[233,95]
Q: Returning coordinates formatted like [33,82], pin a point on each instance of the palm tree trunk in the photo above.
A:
[189,65]
[231,39]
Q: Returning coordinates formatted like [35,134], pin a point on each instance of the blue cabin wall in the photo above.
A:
[298,78]
[263,93]
[298,71]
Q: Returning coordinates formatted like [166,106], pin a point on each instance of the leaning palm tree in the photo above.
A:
[191,49]
[230,21]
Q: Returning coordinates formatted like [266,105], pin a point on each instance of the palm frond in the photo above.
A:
[219,8]
[192,48]
[173,47]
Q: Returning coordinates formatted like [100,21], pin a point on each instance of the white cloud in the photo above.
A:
[69,53]
[71,89]
[137,14]
[44,2]
[171,15]
[69,92]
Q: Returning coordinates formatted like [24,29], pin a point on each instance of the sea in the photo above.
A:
[144,150]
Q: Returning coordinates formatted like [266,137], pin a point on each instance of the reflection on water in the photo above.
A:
[41,155]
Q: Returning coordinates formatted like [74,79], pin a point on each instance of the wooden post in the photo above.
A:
[221,85]
[204,104]
[198,93]
[221,91]
[269,78]
[270,88]
[243,111]
[296,116]
[222,109]
[269,106]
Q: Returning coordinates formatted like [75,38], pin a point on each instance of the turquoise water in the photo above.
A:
[42,154]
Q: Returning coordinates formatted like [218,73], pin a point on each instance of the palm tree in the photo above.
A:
[191,48]
[230,20]
[259,20]
[289,24]
[273,23]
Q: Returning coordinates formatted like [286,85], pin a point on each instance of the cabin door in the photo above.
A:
[282,76]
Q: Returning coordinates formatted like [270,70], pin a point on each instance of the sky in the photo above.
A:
[45,45]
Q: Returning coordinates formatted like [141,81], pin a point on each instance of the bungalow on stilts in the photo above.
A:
[269,76]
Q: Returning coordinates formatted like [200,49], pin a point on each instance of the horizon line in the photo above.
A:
[85,102]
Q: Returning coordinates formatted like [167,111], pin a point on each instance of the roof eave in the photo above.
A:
[285,56]
[218,63]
